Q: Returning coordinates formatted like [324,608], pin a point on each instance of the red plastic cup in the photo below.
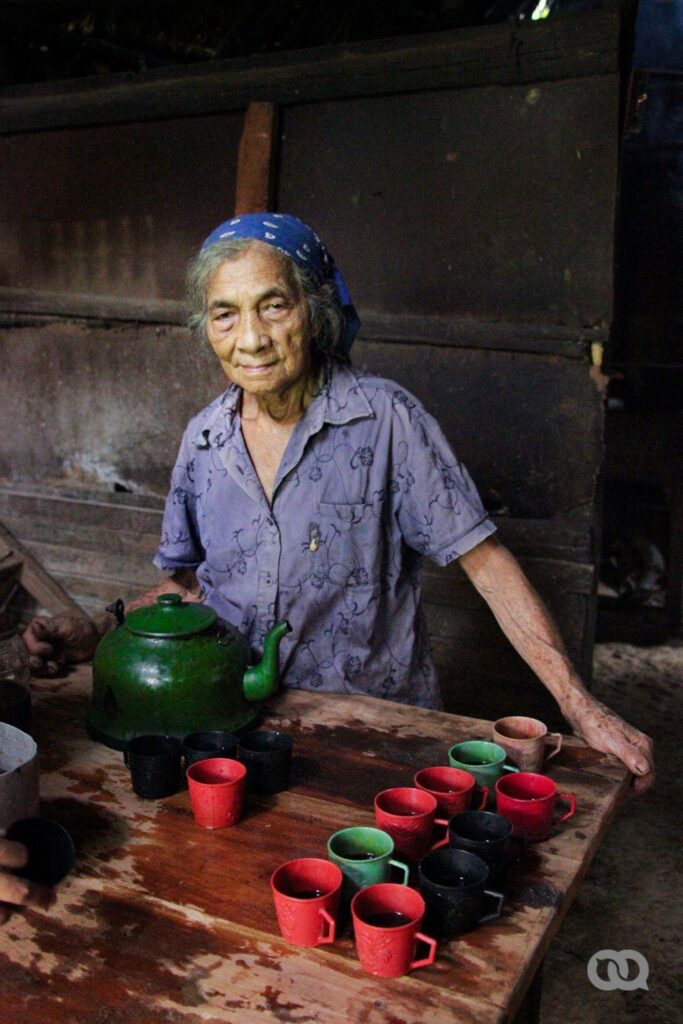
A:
[528,801]
[306,893]
[409,816]
[216,788]
[386,923]
[452,788]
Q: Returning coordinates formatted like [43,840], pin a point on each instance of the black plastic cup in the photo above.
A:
[201,745]
[453,885]
[489,836]
[51,851]
[154,763]
[267,756]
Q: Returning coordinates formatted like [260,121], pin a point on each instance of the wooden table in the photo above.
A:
[162,922]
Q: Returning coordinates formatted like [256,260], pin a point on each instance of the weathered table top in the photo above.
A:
[162,922]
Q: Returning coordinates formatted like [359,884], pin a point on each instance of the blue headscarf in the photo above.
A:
[294,238]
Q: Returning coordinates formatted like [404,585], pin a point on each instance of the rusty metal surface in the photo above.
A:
[487,202]
[114,210]
[164,923]
[527,427]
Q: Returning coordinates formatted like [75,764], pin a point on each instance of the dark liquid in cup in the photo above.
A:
[453,881]
[360,856]
[308,894]
[388,919]
[15,706]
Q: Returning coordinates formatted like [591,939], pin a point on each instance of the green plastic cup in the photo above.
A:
[484,760]
[364,856]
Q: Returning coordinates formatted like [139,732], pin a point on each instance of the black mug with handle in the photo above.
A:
[453,884]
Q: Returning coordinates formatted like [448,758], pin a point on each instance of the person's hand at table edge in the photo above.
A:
[604,730]
[15,890]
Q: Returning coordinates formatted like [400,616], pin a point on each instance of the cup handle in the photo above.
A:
[431,956]
[557,737]
[510,768]
[571,800]
[403,868]
[444,841]
[484,790]
[328,920]
[496,912]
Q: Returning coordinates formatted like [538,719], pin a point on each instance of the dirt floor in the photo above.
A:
[630,898]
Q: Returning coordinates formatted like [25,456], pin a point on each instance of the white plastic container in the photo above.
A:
[19,776]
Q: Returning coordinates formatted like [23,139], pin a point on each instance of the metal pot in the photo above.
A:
[176,668]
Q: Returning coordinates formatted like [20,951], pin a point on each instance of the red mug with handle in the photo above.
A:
[453,789]
[306,893]
[386,923]
[528,801]
[408,814]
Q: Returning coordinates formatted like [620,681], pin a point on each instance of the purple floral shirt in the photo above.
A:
[368,484]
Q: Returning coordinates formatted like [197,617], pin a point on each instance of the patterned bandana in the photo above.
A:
[294,238]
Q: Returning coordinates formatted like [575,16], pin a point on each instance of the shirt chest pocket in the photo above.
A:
[346,543]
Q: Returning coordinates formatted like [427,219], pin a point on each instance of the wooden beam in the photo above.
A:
[441,331]
[256,159]
[570,46]
[33,577]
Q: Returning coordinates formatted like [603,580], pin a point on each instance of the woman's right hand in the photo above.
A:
[62,640]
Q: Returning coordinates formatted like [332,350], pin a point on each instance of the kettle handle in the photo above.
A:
[117,608]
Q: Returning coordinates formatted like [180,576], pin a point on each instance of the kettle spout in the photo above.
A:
[261,681]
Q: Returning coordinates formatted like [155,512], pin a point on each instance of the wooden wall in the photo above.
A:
[465,183]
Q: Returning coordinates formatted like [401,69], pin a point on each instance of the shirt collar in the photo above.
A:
[340,400]
[219,426]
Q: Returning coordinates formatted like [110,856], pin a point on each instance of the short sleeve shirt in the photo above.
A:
[367,486]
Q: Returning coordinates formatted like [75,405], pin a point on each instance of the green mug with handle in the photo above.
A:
[364,855]
[483,759]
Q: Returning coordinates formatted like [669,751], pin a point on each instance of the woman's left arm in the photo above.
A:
[526,622]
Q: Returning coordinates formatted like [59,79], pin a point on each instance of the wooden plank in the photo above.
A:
[97,563]
[34,578]
[493,54]
[389,328]
[91,307]
[470,332]
[256,159]
[564,540]
[131,545]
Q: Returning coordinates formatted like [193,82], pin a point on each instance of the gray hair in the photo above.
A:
[326,316]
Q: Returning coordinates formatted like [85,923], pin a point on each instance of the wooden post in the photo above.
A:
[256,159]
[16,563]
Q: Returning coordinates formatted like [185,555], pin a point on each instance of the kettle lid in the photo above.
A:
[170,617]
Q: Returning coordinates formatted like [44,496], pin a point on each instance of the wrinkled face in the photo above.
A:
[258,322]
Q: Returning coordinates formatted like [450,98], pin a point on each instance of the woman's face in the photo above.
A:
[258,322]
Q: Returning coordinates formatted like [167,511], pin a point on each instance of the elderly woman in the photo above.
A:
[311,492]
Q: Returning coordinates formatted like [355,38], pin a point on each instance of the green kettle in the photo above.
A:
[175,668]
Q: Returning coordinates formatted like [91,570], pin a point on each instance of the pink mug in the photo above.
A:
[526,741]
